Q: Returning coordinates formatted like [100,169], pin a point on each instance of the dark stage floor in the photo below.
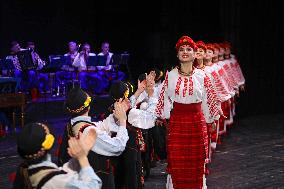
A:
[251,155]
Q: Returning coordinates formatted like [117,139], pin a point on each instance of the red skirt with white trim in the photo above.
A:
[226,110]
[187,146]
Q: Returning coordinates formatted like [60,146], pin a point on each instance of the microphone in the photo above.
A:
[78,47]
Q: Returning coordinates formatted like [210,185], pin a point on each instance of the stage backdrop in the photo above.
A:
[148,31]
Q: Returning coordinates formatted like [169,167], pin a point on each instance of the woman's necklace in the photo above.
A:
[184,73]
[202,68]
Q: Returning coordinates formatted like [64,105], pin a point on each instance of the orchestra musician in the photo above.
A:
[67,70]
[107,73]
[86,74]
[27,77]
[42,78]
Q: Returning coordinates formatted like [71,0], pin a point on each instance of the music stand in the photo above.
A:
[92,61]
[55,63]
[120,59]
[67,61]
[101,60]
[124,58]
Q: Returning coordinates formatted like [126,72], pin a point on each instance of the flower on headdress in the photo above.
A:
[126,93]
[87,101]
[48,142]
[185,40]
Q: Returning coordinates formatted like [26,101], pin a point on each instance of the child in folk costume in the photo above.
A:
[128,168]
[37,170]
[188,98]
[78,106]
[142,115]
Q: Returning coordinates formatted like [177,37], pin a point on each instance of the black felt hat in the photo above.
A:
[142,77]
[121,89]
[34,140]
[77,101]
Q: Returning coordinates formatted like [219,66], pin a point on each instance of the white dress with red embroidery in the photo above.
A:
[190,103]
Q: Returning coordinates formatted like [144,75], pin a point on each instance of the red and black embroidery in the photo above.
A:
[212,98]
[160,105]
[184,87]
[178,85]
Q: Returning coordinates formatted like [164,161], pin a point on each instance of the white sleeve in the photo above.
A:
[132,100]
[77,61]
[108,124]
[144,119]
[108,146]
[210,103]
[164,104]
[84,178]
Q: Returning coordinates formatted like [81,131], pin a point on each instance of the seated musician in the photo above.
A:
[42,78]
[27,77]
[108,73]
[86,73]
[67,71]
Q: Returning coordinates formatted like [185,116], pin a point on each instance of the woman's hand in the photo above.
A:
[150,83]
[141,86]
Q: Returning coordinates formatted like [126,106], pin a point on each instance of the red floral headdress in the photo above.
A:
[185,40]
[217,46]
[226,44]
[201,44]
[210,46]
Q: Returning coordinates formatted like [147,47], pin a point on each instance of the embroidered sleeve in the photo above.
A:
[226,81]
[230,75]
[162,105]
[221,90]
[210,102]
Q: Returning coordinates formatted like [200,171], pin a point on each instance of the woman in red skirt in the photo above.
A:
[188,99]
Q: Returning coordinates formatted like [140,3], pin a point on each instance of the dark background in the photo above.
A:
[148,30]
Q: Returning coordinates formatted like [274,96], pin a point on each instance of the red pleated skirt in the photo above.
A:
[187,146]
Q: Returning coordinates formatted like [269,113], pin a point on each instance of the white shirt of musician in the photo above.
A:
[107,67]
[80,62]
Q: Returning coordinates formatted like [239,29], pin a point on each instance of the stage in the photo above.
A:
[250,156]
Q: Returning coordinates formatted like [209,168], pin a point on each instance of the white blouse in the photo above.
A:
[143,117]
[238,74]
[219,82]
[187,90]
[225,64]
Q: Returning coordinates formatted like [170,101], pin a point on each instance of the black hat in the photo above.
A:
[34,140]
[159,74]
[77,101]
[142,77]
[121,89]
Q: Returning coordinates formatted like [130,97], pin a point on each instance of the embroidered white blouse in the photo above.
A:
[219,82]
[143,117]
[187,90]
